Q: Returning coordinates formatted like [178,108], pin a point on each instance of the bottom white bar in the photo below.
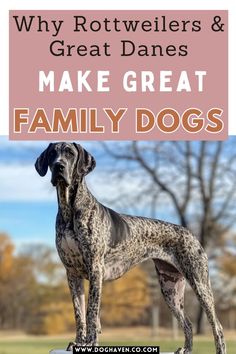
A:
[63,351]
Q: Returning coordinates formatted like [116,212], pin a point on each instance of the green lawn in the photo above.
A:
[40,346]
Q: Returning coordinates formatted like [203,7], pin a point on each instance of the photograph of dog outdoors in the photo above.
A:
[174,266]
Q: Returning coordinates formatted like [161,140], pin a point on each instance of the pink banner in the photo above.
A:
[118,75]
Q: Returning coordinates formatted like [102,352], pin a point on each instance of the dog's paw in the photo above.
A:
[182,351]
[91,344]
[70,346]
[92,339]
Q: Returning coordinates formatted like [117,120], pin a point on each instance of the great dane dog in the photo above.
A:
[98,244]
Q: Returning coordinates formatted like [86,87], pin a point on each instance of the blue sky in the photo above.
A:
[28,222]
[27,206]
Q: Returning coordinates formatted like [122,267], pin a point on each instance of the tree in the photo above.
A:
[53,311]
[34,295]
[17,284]
[6,269]
[224,277]
[6,256]
[195,181]
[125,301]
[45,263]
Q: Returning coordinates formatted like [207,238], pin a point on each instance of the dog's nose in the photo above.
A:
[59,167]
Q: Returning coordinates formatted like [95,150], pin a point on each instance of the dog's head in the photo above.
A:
[66,161]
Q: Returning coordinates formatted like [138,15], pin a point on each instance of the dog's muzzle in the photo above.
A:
[59,174]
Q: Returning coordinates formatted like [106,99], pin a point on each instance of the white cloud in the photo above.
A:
[22,183]
[41,144]
[5,143]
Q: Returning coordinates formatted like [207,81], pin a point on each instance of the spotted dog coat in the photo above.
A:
[98,244]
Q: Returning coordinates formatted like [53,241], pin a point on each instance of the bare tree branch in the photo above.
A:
[143,163]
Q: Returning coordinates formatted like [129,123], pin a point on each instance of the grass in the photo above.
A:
[43,345]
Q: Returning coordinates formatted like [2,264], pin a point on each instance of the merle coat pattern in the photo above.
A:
[98,244]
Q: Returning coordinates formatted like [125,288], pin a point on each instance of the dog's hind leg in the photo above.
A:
[195,270]
[206,300]
[172,287]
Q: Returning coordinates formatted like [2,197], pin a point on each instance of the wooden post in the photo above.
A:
[155,320]
[174,327]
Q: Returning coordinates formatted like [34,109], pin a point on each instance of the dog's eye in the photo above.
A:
[69,152]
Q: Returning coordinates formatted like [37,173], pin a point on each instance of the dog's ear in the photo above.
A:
[86,162]
[41,164]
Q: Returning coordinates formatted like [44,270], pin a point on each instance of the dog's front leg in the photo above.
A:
[76,285]
[94,299]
